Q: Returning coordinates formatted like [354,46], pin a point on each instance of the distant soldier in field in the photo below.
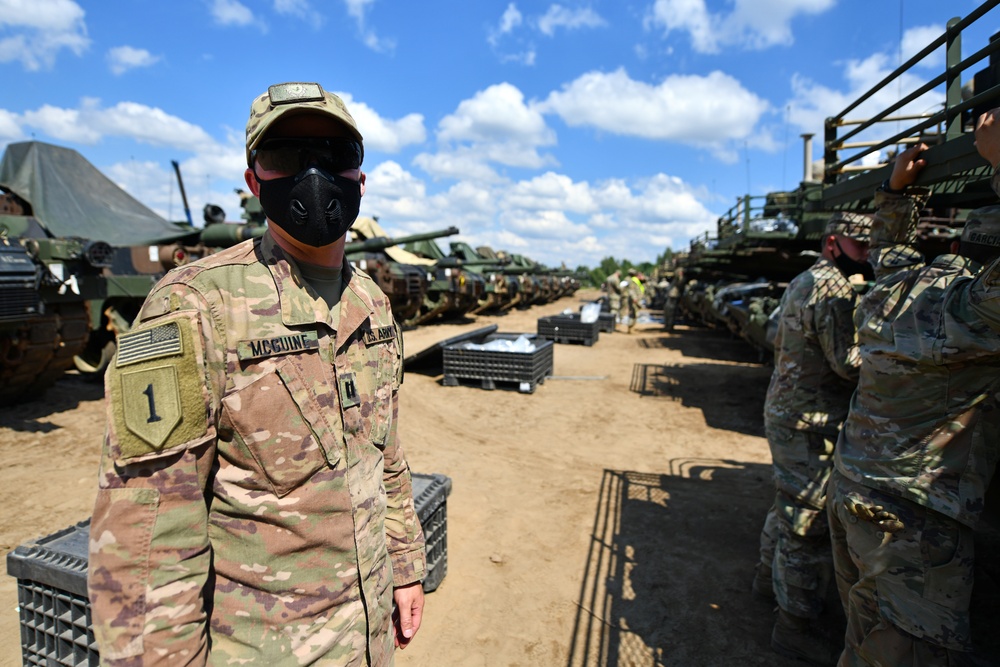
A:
[922,439]
[815,370]
[612,286]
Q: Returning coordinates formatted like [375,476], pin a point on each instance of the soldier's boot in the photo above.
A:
[797,637]
[763,583]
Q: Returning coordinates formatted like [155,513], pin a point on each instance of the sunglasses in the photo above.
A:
[291,155]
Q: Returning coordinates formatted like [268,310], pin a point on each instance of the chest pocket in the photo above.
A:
[278,418]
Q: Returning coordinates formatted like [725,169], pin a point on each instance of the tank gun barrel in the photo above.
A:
[226,234]
[383,242]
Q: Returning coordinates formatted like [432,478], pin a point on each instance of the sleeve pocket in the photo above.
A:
[118,568]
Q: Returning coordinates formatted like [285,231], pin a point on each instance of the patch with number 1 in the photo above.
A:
[157,388]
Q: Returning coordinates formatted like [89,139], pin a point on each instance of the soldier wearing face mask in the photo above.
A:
[815,371]
[255,505]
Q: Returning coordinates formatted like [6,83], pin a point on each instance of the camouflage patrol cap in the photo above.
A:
[982,226]
[290,99]
[857,226]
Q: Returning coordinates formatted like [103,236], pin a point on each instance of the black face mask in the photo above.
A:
[314,207]
[849,266]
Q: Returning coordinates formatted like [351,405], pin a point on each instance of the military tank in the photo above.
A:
[78,255]
[451,292]
[502,290]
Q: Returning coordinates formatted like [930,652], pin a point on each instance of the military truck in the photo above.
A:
[78,255]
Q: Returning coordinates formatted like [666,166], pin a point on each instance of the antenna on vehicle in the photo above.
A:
[180,182]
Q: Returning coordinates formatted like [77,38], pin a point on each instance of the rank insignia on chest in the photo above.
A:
[277,345]
[379,335]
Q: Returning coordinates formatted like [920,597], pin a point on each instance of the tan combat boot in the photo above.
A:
[796,637]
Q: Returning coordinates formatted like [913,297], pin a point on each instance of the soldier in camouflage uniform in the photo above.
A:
[614,294]
[255,506]
[815,370]
[922,438]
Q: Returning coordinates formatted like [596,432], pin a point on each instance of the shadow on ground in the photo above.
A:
[667,577]
[730,397]
[67,393]
[703,343]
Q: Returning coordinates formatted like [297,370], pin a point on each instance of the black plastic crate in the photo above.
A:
[51,574]
[526,369]
[430,494]
[52,598]
[605,319]
[568,329]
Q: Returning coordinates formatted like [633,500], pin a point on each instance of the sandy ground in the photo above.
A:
[609,518]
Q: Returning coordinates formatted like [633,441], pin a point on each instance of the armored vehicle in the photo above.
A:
[450,291]
[501,289]
[78,255]
[528,286]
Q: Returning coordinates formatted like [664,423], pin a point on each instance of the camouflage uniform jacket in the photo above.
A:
[924,423]
[255,506]
[815,353]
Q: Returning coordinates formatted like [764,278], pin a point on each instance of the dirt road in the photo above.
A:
[609,518]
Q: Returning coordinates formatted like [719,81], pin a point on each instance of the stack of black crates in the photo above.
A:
[51,577]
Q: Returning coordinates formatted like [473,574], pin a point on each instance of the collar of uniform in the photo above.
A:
[300,305]
[356,305]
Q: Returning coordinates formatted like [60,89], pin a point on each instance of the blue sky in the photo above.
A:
[567,131]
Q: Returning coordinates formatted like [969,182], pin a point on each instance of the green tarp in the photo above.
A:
[70,197]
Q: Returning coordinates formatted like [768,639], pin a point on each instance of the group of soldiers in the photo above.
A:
[883,422]
[626,293]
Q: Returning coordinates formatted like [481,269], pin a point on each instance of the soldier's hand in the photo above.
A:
[408,611]
[988,136]
[908,165]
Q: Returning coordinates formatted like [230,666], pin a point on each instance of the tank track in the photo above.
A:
[40,351]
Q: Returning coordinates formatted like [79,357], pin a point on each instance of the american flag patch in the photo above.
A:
[161,341]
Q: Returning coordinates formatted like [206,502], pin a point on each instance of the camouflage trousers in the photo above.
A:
[668,313]
[906,593]
[795,541]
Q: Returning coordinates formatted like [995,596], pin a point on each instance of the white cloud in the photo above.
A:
[299,8]
[558,16]
[706,111]
[497,113]
[494,126]
[34,32]
[916,39]
[384,134]
[550,217]
[358,9]
[752,24]
[62,124]
[91,122]
[547,224]
[813,102]
[551,191]
[231,12]
[124,58]
[10,127]
[462,164]
[511,19]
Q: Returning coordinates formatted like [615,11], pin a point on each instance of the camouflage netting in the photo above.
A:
[70,197]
